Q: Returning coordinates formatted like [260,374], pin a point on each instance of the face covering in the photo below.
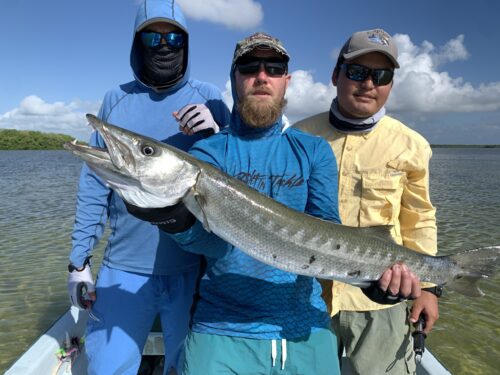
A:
[162,66]
[353,125]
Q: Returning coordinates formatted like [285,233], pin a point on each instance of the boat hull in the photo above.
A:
[44,356]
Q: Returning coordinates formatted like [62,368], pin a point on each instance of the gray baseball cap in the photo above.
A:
[261,41]
[363,42]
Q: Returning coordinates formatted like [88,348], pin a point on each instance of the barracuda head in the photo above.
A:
[143,171]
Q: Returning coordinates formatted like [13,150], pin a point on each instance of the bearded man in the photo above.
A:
[250,317]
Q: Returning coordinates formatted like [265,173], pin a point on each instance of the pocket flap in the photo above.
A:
[387,182]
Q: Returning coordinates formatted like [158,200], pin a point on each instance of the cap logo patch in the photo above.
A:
[378,37]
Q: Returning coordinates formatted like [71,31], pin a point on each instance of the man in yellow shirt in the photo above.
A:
[383,180]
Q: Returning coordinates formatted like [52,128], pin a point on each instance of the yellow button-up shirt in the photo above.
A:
[383,180]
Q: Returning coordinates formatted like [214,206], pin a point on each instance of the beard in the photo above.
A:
[259,113]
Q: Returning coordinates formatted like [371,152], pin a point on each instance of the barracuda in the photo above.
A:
[149,173]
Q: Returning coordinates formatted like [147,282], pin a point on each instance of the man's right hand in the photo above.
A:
[81,288]
[196,118]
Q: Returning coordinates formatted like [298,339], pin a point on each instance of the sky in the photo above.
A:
[59,57]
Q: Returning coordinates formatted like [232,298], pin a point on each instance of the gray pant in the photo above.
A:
[376,342]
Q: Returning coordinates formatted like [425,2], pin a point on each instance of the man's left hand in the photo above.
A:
[396,284]
[426,304]
[399,280]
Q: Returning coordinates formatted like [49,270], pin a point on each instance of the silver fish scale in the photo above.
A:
[263,228]
[286,239]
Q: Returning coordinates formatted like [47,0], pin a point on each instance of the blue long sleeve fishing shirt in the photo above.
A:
[135,245]
[241,296]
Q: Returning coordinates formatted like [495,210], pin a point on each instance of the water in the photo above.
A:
[37,205]
[464,188]
[37,195]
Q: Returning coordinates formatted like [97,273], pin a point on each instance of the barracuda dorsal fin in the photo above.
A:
[382,232]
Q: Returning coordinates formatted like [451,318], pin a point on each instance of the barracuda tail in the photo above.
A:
[474,265]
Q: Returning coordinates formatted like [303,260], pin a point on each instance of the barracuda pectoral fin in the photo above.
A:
[196,204]
[360,283]
[382,232]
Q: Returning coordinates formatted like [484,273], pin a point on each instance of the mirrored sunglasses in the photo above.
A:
[273,67]
[359,73]
[173,39]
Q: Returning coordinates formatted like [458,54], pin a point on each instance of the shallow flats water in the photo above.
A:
[37,195]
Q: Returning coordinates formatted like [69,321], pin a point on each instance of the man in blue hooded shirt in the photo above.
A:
[252,318]
[144,272]
[245,307]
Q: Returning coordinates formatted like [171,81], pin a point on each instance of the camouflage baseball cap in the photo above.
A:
[363,42]
[260,41]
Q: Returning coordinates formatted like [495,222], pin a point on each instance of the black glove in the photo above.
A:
[171,219]
[377,295]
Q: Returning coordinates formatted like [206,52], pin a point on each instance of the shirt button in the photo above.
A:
[349,148]
[344,173]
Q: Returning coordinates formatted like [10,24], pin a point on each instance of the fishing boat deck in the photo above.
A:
[45,355]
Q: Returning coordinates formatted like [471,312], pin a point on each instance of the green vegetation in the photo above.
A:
[31,140]
[11,139]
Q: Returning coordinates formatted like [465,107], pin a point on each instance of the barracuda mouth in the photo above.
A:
[116,162]
[94,156]
[120,145]
[100,161]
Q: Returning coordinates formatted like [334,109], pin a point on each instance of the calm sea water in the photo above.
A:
[37,203]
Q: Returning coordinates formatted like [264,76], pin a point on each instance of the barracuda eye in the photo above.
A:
[148,150]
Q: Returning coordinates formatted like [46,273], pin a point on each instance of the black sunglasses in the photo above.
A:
[359,73]
[273,67]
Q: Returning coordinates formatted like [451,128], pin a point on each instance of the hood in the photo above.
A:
[238,126]
[151,11]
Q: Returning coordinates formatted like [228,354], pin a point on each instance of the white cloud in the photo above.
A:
[420,87]
[227,95]
[306,97]
[420,90]
[34,113]
[453,50]
[235,14]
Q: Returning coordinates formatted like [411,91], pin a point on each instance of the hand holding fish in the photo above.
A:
[399,280]
[396,284]
[171,219]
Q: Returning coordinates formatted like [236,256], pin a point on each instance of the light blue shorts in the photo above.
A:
[209,354]
[127,305]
